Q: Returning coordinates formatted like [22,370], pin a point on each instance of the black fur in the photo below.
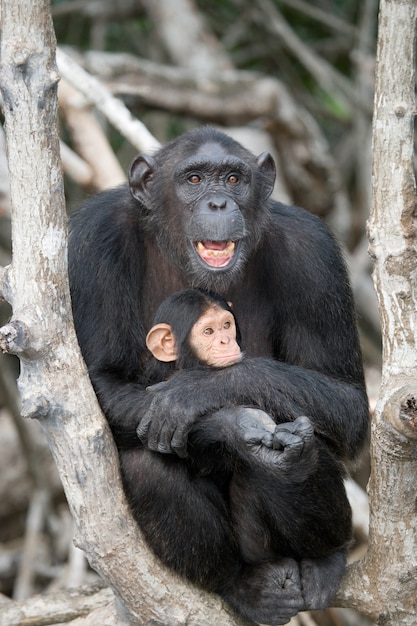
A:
[130,249]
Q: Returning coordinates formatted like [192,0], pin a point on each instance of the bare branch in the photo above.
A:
[76,167]
[89,138]
[23,587]
[62,606]
[113,109]
[324,17]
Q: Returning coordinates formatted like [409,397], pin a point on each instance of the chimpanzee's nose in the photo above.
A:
[217,202]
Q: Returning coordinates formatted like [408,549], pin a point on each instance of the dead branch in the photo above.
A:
[112,108]
[324,17]
[89,138]
[326,76]
[23,587]
[75,167]
[52,608]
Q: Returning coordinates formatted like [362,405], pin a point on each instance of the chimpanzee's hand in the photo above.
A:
[295,439]
[289,446]
[166,422]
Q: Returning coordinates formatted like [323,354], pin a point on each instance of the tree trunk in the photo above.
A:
[384,585]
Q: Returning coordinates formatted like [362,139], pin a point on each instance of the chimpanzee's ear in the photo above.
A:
[266,166]
[160,341]
[140,176]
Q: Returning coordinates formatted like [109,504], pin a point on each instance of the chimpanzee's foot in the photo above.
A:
[271,593]
[320,579]
[280,445]
[268,593]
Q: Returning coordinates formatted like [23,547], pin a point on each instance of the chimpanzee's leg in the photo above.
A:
[287,496]
[185,519]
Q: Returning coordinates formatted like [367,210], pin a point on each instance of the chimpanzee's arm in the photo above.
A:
[123,404]
[338,410]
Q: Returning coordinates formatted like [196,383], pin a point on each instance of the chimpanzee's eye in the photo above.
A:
[194,179]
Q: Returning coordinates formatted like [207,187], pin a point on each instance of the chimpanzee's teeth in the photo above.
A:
[230,247]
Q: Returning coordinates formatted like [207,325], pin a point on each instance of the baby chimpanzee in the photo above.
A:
[200,329]
[195,329]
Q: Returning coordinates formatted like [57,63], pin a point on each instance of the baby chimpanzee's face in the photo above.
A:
[213,338]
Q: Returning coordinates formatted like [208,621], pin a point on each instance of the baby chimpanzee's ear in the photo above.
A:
[160,341]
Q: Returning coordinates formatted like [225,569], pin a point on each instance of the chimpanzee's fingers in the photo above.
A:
[147,427]
[303,427]
[159,437]
[179,440]
[284,439]
[254,418]
[143,428]
[255,435]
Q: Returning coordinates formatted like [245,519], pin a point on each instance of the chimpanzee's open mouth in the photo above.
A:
[216,254]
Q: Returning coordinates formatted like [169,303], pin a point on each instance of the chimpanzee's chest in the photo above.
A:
[255,317]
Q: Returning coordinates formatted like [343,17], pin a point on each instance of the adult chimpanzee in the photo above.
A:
[263,461]
[198,213]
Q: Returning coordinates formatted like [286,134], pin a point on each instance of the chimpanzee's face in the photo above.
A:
[213,338]
[206,205]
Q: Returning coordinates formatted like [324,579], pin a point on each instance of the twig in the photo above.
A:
[75,167]
[200,50]
[76,568]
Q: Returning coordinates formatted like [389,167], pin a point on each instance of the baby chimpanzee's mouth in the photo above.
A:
[216,253]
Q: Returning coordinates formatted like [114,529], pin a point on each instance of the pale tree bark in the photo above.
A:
[384,585]
[54,383]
